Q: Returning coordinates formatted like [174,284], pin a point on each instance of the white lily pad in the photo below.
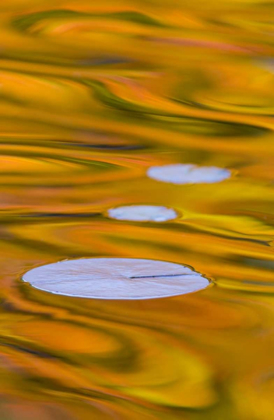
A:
[142,213]
[188,174]
[116,278]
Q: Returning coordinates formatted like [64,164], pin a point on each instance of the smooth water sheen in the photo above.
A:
[93,94]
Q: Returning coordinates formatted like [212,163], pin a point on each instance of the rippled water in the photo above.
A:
[93,95]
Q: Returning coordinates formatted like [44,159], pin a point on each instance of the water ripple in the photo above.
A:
[92,96]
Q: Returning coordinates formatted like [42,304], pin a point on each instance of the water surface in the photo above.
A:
[92,96]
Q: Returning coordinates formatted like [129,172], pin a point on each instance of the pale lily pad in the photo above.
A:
[116,278]
[188,174]
[143,213]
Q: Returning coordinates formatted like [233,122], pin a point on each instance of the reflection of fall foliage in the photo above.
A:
[91,96]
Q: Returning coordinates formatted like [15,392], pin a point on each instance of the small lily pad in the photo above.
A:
[143,213]
[188,174]
[116,278]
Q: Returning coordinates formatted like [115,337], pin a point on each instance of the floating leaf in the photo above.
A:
[116,278]
[143,213]
[188,174]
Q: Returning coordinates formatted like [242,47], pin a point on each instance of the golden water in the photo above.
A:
[93,94]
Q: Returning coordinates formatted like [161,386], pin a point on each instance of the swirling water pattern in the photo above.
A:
[92,95]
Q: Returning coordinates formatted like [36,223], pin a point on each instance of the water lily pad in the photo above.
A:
[143,213]
[188,174]
[116,278]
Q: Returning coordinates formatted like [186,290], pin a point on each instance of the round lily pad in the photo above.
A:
[188,174]
[142,213]
[116,278]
